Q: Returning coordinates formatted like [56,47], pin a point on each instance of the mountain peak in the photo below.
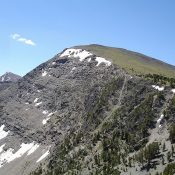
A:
[9,77]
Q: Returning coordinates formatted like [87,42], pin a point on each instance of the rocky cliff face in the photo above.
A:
[80,114]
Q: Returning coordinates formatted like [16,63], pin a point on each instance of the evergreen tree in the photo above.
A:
[168,156]
[164,147]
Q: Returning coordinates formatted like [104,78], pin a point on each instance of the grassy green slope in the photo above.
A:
[130,61]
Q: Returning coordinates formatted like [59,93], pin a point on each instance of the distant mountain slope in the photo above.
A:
[132,62]
[9,77]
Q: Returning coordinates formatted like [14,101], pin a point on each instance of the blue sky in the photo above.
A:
[45,27]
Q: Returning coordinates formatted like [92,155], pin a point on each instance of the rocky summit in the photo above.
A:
[7,79]
[90,110]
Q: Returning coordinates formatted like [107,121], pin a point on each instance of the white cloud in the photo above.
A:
[30,42]
[18,37]
[15,36]
[21,39]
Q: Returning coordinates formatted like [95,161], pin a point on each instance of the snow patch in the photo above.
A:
[1,147]
[45,112]
[3,133]
[173,90]
[50,114]
[83,54]
[76,53]
[8,79]
[37,104]
[102,60]
[8,156]
[45,120]
[158,88]
[27,103]
[44,74]
[73,68]
[43,156]
[36,99]
[89,59]
[53,63]
[48,118]
[33,149]
[160,119]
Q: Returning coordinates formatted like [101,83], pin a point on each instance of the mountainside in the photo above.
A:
[9,77]
[81,113]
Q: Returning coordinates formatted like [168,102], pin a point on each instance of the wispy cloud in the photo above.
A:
[15,36]
[18,37]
